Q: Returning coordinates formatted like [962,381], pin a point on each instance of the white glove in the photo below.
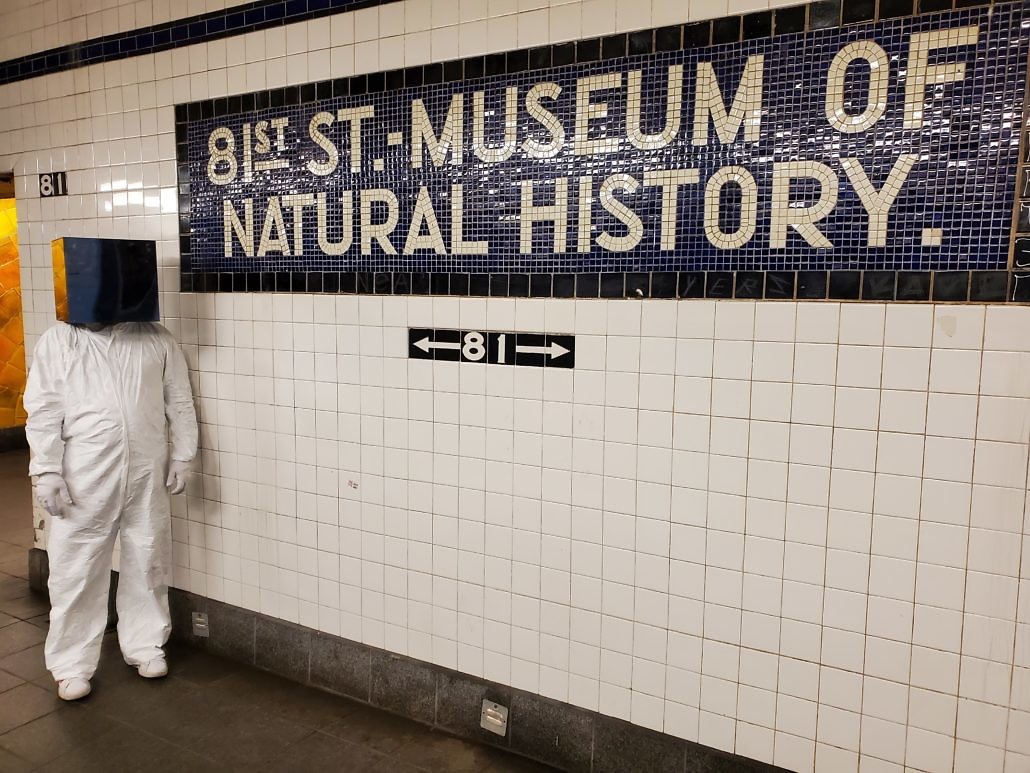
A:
[177,472]
[52,493]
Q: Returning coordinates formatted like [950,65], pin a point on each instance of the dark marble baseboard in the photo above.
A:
[12,439]
[559,734]
[565,736]
[39,570]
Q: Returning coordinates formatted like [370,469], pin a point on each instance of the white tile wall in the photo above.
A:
[791,531]
[31,26]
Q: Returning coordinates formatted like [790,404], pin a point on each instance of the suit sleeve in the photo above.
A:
[44,403]
[179,409]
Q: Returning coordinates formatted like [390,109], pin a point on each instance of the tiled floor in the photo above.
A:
[208,714]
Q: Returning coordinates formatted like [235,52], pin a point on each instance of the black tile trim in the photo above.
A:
[870,285]
[441,698]
[263,14]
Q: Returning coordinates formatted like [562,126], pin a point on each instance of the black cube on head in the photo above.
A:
[105,280]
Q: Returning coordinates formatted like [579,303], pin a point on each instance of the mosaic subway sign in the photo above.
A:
[890,146]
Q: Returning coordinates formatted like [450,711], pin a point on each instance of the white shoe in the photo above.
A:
[73,689]
[153,669]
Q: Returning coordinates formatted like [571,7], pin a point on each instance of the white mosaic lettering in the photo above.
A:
[634,226]
[496,153]
[224,155]
[346,220]
[264,145]
[248,160]
[673,116]
[922,74]
[378,231]
[458,244]
[424,214]
[731,175]
[535,148]
[801,218]
[556,213]
[353,116]
[232,225]
[322,168]
[878,203]
[273,220]
[586,215]
[670,181]
[587,111]
[746,110]
[879,80]
[297,202]
[450,139]
[280,124]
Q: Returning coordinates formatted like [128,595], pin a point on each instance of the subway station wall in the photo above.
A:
[755,514]
[33,28]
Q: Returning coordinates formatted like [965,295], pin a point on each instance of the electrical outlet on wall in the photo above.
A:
[494,717]
[200,627]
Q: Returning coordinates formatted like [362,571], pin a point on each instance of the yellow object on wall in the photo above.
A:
[12,335]
[60,279]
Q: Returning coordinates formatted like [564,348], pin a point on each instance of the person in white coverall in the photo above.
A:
[103,403]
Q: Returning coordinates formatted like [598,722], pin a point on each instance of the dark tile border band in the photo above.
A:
[238,20]
[841,285]
[263,14]
[550,731]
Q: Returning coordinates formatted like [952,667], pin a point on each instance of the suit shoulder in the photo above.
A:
[155,329]
[60,334]
[162,335]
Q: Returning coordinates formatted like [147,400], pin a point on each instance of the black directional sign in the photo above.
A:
[533,349]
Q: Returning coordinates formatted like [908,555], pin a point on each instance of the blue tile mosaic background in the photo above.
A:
[962,183]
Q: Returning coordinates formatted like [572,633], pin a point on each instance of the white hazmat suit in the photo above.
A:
[102,409]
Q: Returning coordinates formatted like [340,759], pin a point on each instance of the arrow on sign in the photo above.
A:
[555,350]
[425,344]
